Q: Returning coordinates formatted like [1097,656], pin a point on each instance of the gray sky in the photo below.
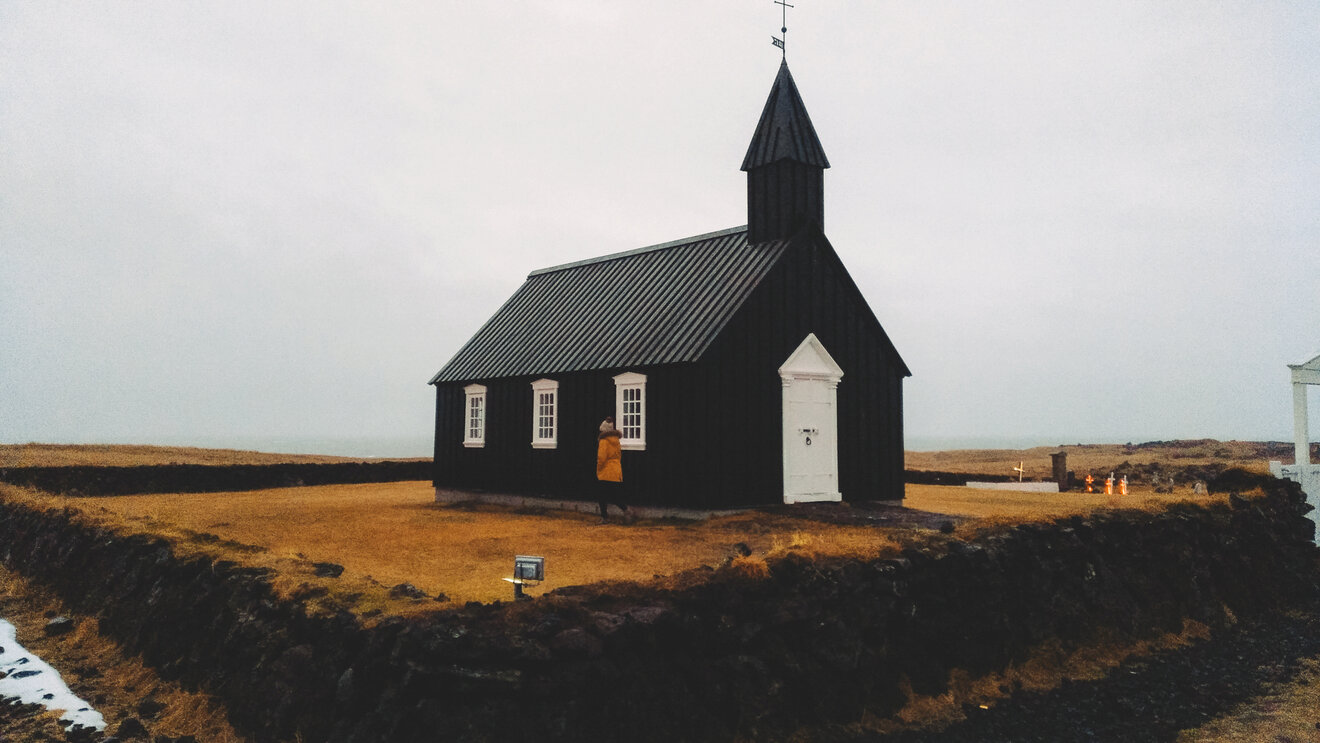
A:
[231,222]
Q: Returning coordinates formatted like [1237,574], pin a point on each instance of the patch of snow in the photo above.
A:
[31,680]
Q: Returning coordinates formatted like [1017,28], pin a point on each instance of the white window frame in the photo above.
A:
[624,382]
[540,388]
[474,432]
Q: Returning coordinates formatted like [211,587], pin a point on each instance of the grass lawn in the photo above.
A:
[393,533]
[1006,505]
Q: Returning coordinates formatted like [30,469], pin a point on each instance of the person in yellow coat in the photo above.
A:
[609,470]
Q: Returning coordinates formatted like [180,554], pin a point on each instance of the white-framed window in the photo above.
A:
[474,420]
[545,413]
[630,409]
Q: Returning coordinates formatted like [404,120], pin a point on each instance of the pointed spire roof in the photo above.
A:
[785,131]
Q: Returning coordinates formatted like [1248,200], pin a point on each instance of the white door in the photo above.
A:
[811,424]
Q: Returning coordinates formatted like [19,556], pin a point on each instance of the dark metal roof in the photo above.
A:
[784,131]
[656,305]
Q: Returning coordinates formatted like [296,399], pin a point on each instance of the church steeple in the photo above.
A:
[785,167]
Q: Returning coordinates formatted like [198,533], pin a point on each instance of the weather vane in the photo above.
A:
[783,28]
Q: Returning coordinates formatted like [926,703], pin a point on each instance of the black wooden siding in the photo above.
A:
[808,292]
[782,198]
[509,463]
[714,427]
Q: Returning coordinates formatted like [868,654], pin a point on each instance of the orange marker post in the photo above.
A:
[1089,480]
[1109,484]
[1122,486]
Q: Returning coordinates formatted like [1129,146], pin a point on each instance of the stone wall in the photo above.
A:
[932,477]
[203,478]
[815,643]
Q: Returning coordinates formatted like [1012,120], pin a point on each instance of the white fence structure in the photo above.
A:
[1303,471]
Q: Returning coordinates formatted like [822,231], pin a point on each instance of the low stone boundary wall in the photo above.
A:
[202,478]
[1022,487]
[813,643]
[641,511]
[932,477]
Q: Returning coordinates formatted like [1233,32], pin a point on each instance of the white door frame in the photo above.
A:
[811,364]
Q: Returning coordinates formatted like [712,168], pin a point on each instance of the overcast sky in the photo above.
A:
[237,222]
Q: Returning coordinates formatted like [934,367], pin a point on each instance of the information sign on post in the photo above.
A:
[526,569]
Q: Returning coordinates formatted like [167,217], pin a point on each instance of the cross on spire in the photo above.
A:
[783,28]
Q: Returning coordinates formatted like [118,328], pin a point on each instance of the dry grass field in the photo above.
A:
[999,505]
[1102,458]
[391,533]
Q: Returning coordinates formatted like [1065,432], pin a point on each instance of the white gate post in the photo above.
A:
[1306,473]
[1301,435]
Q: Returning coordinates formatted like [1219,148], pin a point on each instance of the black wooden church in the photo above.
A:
[743,367]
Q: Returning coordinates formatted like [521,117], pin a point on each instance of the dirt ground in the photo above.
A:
[1286,711]
[115,682]
[1255,682]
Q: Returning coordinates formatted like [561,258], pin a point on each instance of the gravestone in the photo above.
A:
[1061,470]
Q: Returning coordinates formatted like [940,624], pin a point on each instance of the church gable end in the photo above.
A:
[809,293]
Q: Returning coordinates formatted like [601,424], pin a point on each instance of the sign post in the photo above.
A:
[526,569]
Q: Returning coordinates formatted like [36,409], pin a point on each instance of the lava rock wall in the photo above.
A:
[814,644]
[933,477]
[203,478]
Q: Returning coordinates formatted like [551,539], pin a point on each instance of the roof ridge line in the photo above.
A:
[636,251]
